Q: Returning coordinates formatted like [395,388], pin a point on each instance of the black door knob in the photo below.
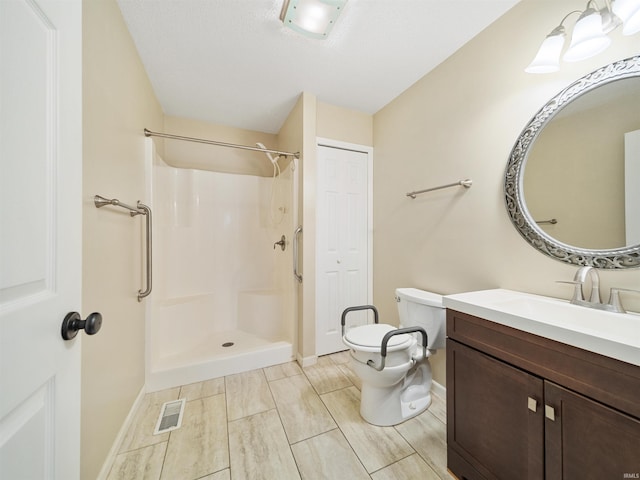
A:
[73,322]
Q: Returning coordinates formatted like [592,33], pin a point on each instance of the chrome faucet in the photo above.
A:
[614,304]
[579,279]
[578,292]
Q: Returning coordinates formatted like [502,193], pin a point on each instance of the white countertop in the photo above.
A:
[615,335]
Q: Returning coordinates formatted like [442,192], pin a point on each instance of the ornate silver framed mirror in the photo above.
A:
[591,229]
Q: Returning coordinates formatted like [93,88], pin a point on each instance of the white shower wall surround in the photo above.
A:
[217,277]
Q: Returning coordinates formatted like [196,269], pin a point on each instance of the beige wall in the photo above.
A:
[307,335]
[220,159]
[118,104]
[461,121]
[343,124]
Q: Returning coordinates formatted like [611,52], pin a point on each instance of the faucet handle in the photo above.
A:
[578,295]
[614,298]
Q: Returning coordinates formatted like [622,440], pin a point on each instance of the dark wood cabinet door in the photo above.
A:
[587,440]
[495,423]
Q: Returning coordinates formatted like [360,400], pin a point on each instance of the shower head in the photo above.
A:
[268,154]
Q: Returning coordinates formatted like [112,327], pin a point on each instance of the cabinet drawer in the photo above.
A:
[607,380]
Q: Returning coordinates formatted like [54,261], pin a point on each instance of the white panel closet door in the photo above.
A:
[40,237]
[342,243]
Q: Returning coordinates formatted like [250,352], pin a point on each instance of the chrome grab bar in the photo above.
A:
[140,209]
[147,213]
[295,254]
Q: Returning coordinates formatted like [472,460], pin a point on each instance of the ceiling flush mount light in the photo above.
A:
[313,18]
[589,36]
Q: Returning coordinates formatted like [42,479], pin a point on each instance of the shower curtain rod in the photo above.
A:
[149,133]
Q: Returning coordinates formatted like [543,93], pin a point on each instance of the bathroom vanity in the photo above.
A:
[534,391]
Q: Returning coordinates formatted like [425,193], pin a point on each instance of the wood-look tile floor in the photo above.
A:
[281,422]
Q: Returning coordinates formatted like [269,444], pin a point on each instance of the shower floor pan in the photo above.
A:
[210,359]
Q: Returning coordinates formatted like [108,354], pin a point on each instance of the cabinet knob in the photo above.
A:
[532,403]
[550,413]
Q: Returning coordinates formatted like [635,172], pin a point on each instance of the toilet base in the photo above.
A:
[387,406]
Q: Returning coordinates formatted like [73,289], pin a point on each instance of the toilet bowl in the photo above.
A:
[393,363]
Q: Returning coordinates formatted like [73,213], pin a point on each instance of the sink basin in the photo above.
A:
[616,335]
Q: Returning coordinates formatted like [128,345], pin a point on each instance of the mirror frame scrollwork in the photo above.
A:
[625,257]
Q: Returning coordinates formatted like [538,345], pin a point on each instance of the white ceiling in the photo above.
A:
[232,62]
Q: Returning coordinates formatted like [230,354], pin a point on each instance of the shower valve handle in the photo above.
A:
[282,243]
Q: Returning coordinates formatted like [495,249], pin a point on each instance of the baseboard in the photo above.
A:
[115,448]
[306,361]
[438,390]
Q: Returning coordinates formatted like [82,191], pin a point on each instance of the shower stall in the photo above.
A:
[224,290]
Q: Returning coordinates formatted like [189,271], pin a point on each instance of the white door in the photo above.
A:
[343,239]
[40,237]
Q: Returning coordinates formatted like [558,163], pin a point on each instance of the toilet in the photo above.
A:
[393,363]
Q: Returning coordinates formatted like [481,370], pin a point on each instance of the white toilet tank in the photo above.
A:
[418,308]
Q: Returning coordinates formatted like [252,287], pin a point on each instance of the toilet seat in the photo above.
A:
[368,338]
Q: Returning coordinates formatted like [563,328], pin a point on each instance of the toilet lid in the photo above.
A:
[372,335]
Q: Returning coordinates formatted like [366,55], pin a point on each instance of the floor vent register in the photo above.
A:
[170,416]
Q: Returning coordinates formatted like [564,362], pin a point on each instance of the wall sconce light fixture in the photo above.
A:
[312,18]
[589,36]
